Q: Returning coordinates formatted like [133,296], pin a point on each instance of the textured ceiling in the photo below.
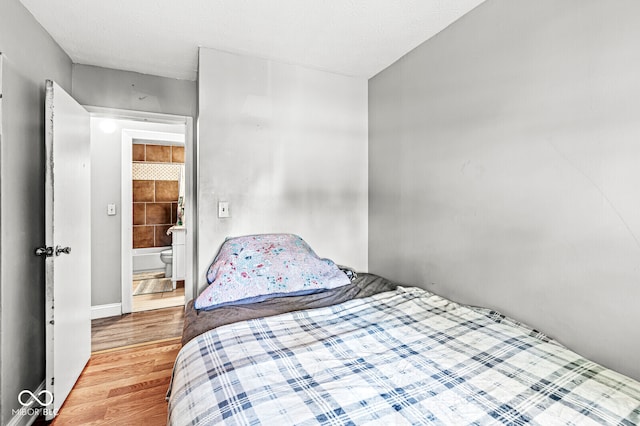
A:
[161,37]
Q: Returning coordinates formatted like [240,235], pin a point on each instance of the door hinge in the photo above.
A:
[44,251]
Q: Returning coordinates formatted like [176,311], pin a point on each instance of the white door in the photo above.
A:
[68,238]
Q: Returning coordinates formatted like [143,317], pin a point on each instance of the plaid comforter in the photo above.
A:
[400,357]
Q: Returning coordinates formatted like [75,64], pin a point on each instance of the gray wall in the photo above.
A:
[109,88]
[30,57]
[286,146]
[504,169]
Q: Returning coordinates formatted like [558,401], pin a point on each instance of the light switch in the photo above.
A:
[223,209]
[111,209]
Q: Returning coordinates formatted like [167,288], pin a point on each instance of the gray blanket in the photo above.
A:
[197,322]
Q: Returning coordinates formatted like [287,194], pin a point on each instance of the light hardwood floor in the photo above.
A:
[124,386]
[146,302]
[137,327]
[128,374]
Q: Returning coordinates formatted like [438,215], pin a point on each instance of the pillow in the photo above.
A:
[253,268]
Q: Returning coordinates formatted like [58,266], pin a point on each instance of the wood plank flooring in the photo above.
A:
[145,302]
[124,386]
[135,328]
[128,374]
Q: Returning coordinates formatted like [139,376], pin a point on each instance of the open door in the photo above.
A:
[68,243]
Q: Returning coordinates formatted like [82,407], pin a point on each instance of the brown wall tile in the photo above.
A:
[158,213]
[137,152]
[143,236]
[162,239]
[143,190]
[158,153]
[166,190]
[139,213]
[177,154]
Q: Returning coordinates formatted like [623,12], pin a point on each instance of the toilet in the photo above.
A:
[167,258]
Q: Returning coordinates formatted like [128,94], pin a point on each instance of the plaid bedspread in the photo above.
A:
[401,357]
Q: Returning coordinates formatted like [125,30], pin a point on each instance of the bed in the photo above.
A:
[374,352]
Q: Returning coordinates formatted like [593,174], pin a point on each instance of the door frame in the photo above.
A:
[126,226]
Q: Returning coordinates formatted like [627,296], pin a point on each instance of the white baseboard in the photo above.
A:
[108,310]
[22,419]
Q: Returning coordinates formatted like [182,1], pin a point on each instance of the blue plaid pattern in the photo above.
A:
[401,357]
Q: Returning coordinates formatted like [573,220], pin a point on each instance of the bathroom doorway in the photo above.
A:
[141,162]
[158,194]
[154,188]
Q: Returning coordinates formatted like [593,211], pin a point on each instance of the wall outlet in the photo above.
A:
[223,209]
[111,209]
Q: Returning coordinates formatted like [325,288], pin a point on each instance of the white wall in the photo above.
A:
[286,146]
[106,172]
[504,169]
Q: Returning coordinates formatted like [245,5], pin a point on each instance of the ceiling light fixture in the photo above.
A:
[108,126]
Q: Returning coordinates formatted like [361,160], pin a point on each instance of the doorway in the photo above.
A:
[115,136]
[157,175]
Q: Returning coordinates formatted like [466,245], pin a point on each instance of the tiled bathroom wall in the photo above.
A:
[155,172]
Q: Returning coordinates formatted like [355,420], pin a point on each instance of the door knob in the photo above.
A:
[44,251]
[60,250]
